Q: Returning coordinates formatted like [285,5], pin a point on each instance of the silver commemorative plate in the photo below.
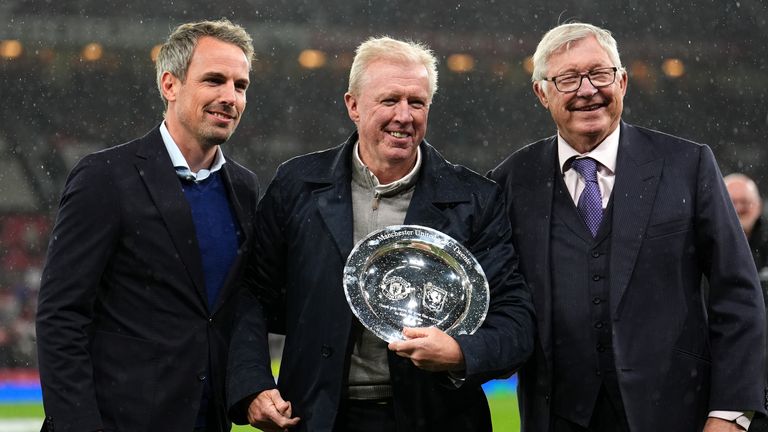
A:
[414,276]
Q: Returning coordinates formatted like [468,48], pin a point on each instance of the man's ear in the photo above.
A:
[351,103]
[538,88]
[623,83]
[169,85]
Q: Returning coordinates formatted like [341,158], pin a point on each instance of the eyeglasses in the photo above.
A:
[570,82]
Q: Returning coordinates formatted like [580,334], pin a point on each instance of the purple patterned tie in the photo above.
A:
[590,202]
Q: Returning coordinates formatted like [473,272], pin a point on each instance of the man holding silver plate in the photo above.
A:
[389,270]
[414,276]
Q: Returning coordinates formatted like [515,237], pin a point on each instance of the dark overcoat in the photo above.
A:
[305,235]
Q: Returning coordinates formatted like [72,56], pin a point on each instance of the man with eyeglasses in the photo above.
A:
[616,225]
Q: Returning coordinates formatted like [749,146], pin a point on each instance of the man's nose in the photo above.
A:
[586,88]
[403,112]
[228,93]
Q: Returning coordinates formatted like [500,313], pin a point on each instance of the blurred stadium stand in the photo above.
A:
[76,76]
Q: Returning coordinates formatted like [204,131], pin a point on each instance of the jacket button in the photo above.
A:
[596,300]
[201,377]
[326,351]
[595,254]
[596,277]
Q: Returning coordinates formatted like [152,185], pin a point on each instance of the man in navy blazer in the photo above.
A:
[335,375]
[137,296]
[616,227]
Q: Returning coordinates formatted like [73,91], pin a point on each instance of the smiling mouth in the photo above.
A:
[588,108]
[397,134]
[221,115]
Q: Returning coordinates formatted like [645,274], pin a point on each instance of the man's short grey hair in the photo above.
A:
[562,36]
[176,53]
[751,185]
[392,50]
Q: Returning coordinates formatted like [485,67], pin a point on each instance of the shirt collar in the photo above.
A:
[181,165]
[605,153]
[361,173]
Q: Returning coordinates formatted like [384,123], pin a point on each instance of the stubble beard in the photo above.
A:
[211,136]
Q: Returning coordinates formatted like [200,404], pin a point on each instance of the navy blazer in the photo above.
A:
[677,354]
[124,330]
[305,235]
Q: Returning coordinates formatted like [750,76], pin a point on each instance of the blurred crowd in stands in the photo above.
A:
[23,238]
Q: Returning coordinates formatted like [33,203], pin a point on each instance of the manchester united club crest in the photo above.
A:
[396,288]
[434,297]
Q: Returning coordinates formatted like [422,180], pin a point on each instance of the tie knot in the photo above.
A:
[587,167]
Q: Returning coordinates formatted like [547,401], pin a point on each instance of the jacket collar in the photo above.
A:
[437,174]
[437,185]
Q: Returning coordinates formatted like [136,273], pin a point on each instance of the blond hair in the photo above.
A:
[389,49]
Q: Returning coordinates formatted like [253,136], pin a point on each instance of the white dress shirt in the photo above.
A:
[180,163]
[605,155]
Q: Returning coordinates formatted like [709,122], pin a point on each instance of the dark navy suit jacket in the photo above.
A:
[124,330]
[678,354]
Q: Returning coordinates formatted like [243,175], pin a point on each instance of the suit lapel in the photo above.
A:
[334,202]
[333,198]
[569,213]
[233,186]
[638,169]
[228,175]
[156,171]
[534,197]
[436,185]
[422,210]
